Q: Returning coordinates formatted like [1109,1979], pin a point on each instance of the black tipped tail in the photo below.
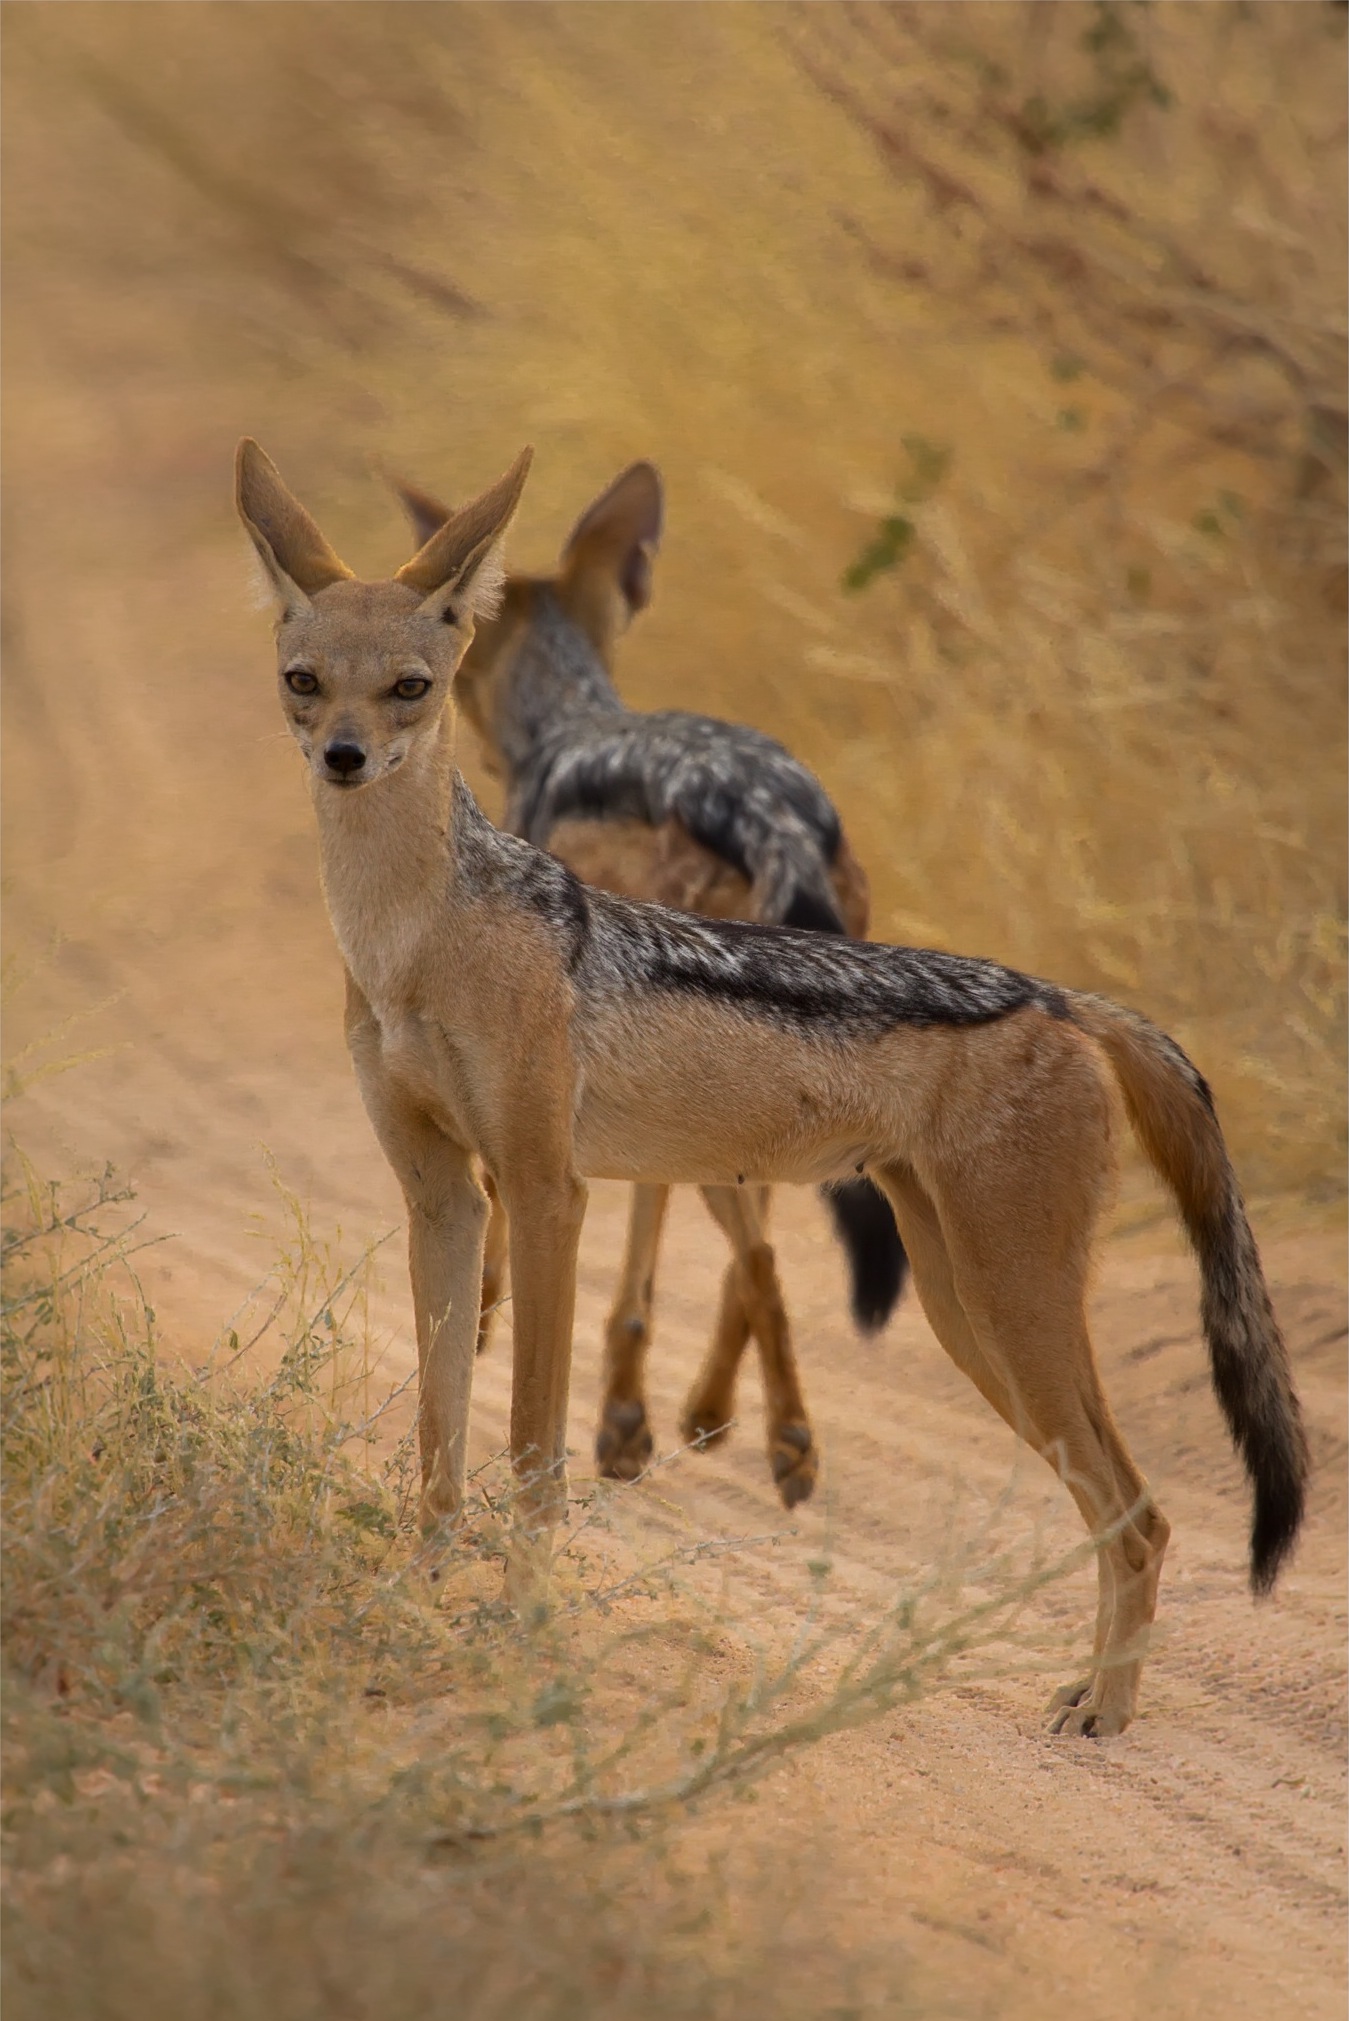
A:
[813,910]
[1254,1383]
[867,1230]
[1171,1109]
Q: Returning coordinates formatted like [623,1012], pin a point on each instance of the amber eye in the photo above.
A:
[301,682]
[411,688]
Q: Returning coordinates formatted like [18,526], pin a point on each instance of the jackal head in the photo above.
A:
[365,668]
[603,581]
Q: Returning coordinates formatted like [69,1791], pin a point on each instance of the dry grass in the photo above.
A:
[1113,683]
[266,1751]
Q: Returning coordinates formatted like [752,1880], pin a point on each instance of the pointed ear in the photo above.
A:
[617,537]
[298,560]
[427,514]
[458,571]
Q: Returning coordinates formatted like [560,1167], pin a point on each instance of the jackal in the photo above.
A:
[500,1010]
[708,816]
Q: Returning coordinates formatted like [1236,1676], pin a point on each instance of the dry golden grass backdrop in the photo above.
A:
[993,356]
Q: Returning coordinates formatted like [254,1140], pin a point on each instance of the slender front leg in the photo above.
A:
[495,1251]
[545,1223]
[623,1443]
[447,1215]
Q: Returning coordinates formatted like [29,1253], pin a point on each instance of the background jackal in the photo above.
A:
[708,816]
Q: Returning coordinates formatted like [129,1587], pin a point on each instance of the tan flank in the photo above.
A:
[500,1011]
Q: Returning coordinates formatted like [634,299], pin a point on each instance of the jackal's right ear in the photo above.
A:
[458,571]
[615,538]
[296,557]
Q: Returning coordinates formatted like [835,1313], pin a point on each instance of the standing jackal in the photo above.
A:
[498,1009]
[708,816]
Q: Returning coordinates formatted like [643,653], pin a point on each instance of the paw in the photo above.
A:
[795,1460]
[706,1422]
[623,1443]
[1083,1711]
[1070,1694]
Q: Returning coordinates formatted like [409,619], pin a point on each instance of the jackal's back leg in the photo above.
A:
[1012,1315]
[710,1407]
[752,1303]
[623,1444]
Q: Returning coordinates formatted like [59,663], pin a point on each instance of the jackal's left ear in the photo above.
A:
[458,572]
[427,514]
[613,543]
[296,557]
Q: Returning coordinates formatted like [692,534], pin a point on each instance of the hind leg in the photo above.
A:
[1015,1323]
[710,1407]
[949,1321]
[752,1303]
[623,1443]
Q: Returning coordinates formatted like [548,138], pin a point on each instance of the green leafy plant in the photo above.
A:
[1123,78]
[926,465]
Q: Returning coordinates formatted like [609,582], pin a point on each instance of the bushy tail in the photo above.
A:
[1171,1109]
[867,1230]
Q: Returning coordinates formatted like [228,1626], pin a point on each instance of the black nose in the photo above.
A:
[344,758]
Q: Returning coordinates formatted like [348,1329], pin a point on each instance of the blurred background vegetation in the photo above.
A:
[994,358]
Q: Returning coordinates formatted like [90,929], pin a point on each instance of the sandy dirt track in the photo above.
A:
[1193,1867]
